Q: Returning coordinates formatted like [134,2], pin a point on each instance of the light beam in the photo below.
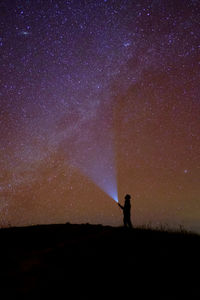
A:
[97,162]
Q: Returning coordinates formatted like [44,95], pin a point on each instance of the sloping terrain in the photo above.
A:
[98,262]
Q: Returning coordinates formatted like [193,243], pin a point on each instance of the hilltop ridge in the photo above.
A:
[95,261]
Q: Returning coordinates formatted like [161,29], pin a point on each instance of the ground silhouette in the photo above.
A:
[98,262]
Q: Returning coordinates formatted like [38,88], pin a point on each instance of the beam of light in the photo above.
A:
[102,172]
[99,167]
[105,181]
[97,162]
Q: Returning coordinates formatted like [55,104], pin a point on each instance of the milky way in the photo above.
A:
[93,89]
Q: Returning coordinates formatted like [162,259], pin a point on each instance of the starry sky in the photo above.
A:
[99,97]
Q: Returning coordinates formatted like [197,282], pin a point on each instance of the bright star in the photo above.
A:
[23,32]
[126,44]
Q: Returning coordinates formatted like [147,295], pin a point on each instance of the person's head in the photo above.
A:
[127,197]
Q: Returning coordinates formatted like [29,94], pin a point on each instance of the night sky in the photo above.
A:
[98,96]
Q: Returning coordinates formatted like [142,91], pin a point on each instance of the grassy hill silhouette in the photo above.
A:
[94,262]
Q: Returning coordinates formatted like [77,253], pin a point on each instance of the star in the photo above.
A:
[25,33]
[127,44]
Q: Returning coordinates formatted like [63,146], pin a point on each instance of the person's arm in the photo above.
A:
[120,206]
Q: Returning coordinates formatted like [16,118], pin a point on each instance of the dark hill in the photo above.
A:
[98,262]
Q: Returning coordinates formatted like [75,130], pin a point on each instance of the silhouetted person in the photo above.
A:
[127,211]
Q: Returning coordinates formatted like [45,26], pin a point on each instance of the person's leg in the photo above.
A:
[129,223]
